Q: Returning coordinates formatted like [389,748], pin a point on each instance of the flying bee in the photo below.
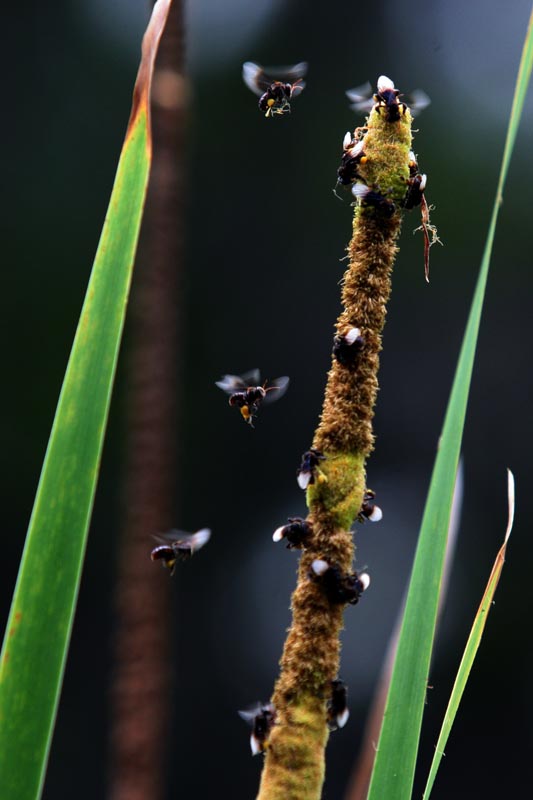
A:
[337,705]
[274,87]
[247,394]
[369,509]
[308,471]
[369,197]
[178,546]
[261,717]
[296,532]
[387,99]
[339,587]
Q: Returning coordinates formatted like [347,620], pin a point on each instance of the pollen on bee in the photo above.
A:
[270,102]
[245,411]
[363,160]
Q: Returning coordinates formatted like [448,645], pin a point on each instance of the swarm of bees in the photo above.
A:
[275,86]
[246,393]
[388,102]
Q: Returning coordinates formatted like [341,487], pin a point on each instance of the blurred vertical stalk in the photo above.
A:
[142,678]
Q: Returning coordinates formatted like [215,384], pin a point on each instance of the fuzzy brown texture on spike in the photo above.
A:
[346,421]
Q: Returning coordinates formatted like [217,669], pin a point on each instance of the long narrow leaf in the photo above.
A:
[358,788]
[472,645]
[39,626]
[394,767]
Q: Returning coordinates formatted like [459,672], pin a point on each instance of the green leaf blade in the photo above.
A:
[40,621]
[472,646]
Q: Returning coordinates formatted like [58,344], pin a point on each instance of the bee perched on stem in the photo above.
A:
[261,717]
[247,394]
[295,533]
[339,587]
[352,156]
[387,99]
[338,712]
[276,88]
[369,509]
[309,471]
[178,546]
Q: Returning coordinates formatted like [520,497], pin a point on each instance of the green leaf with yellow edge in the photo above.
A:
[40,622]
[394,767]
[472,646]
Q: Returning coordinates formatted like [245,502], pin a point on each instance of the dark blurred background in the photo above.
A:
[264,246]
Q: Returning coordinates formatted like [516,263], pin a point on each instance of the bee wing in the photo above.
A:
[182,540]
[361,98]
[297,88]
[167,538]
[198,539]
[280,386]
[254,77]
[239,383]
[418,100]
[288,74]
[249,714]
[251,378]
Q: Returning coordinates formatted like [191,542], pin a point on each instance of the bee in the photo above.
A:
[387,99]
[276,88]
[414,196]
[338,712]
[415,191]
[261,717]
[247,394]
[353,155]
[296,532]
[178,546]
[347,347]
[369,509]
[308,470]
[367,197]
[339,587]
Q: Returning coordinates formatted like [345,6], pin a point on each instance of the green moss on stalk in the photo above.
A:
[338,493]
